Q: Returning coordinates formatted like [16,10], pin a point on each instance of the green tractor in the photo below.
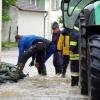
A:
[88,13]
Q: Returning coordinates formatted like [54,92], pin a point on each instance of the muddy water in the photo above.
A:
[36,87]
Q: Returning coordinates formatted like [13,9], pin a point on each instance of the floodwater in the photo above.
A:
[35,87]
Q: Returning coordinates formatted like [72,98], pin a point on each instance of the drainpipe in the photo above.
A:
[45,22]
[9,36]
[17,31]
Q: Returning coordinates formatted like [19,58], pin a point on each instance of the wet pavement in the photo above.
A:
[35,87]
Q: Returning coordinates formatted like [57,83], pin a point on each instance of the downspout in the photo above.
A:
[9,36]
[45,23]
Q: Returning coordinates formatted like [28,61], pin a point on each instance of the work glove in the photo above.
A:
[32,63]
[37,65]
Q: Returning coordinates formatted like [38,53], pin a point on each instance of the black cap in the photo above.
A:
[65,31]
[55,25]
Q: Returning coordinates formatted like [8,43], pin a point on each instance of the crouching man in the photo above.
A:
[38,48]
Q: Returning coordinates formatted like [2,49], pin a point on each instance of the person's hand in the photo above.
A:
[31,64]
[37,65]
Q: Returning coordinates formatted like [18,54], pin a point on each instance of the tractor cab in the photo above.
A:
[71,9]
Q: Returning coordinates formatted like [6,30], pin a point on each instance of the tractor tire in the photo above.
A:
[94,76]
[83,57]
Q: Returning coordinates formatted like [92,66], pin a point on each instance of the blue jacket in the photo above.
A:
[25,43]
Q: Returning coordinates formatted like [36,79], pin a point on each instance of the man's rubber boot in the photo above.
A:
[74,81]
[44,73]
[63,75]
[43,70]
[17,74]
[2,80]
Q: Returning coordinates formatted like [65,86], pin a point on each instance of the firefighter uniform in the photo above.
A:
[74,57]
[63,48]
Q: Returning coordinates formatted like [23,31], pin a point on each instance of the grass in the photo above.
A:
[9,44]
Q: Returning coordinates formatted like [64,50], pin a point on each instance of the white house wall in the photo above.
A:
[30,23]
[52,16]
[12,23]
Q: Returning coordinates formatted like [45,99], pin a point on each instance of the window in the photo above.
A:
[35,3]
[56,4]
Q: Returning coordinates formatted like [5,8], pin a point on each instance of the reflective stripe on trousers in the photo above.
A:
[74,74]
[73,43]
[74,56]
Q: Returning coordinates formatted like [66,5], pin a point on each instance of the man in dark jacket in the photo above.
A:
[57,59]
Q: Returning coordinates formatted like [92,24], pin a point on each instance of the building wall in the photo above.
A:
[0,26]
[52,16]
[42,4]
[12,23]
[30,23]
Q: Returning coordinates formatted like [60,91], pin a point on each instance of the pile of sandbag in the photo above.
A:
[5,69]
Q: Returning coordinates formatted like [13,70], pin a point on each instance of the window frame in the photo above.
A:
[36,3]
[57,3]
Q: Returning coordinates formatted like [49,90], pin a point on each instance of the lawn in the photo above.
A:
[9,44]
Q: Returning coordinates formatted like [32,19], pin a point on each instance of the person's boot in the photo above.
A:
[63,75]
[44,73]
[74,81]
[22,75]
[56,71]
[59,71]
[43,70]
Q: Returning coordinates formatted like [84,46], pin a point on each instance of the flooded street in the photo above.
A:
[36,87]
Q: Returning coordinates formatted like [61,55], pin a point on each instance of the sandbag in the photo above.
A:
[5,69]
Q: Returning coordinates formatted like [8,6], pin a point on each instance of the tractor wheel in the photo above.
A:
[94,68]
[83,57]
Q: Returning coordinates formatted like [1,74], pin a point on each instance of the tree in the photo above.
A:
[5,8]
[60,20]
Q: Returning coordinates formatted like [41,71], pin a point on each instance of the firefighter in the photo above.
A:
[57,59]
[74,56]
[63,49]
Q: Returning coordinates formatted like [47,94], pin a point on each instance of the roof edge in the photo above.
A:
[39,11]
